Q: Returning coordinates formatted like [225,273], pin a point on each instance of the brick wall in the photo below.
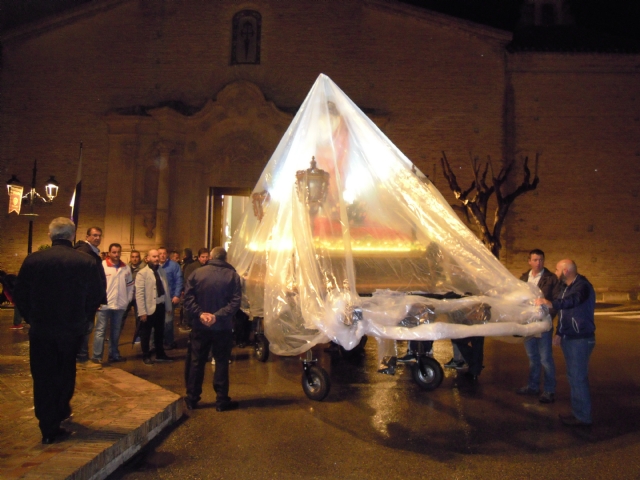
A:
[439,82]
[582,112]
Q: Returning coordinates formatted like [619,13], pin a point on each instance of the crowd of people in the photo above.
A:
[70,293]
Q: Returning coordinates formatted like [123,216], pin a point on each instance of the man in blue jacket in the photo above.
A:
[212,298]
[575,301]
[174,277]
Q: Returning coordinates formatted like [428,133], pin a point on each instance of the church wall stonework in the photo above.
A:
[149,85]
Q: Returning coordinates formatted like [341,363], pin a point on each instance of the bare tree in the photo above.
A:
[475,200]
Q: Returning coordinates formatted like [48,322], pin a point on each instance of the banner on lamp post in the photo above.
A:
[15,198]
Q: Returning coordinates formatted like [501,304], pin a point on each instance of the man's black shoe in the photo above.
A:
[164,359]
[527,391]
[147,361]
[547,397]
[60,434]
[230,405]
[455,364]
[471,377]
[191,405]
[571,421]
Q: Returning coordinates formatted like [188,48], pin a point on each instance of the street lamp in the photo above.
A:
[15,197]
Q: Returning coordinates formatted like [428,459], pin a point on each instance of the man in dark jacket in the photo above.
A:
[90,246]
[56,290]
[539,350]
[575,300]
[212,297]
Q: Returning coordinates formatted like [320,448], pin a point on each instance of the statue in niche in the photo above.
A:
[245,42]
[149,222]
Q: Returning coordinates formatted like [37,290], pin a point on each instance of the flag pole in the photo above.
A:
[75,200]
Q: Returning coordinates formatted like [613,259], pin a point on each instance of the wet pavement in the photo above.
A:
[378,426]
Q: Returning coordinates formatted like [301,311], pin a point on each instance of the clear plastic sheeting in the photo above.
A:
[347,238]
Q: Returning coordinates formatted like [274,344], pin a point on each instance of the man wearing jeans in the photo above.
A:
[575,301]
[539,349]
[174,277]
[90,246]
[119,295]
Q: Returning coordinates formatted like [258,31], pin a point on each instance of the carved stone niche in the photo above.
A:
[173,157]
[235,134]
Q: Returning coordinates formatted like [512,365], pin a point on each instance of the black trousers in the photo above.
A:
[53,368]
[242,327]
[472,350]
[155,322]
[220,344]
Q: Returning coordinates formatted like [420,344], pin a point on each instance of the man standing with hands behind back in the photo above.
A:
[539,350]
[576,333]
[212,298]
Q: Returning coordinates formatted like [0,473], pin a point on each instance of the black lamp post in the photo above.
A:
[51,189]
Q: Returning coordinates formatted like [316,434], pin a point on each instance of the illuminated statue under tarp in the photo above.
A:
[344,227]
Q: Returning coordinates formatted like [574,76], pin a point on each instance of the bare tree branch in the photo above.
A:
[475,208]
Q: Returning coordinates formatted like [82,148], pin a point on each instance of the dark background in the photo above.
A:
[609,17]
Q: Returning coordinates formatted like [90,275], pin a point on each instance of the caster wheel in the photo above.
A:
[427,373]
[316,383]
[262,348]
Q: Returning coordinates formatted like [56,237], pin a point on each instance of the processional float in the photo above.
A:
[347,239]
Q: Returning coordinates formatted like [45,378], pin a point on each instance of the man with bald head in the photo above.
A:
[575,302]
[153,299]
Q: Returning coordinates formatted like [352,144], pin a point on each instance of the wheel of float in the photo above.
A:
[262,348]
[316,383]
[427,373]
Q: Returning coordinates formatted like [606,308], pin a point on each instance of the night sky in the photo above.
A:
[610,17]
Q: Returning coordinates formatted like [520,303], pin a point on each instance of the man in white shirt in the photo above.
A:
[119,295]
[539,349]
[153,300]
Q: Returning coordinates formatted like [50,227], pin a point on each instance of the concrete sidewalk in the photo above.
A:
[115,414]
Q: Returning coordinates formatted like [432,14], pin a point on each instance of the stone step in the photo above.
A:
[115,414]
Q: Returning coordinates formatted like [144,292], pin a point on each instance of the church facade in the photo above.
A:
[181,103]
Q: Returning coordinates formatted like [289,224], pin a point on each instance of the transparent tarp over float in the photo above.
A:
[343,227]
